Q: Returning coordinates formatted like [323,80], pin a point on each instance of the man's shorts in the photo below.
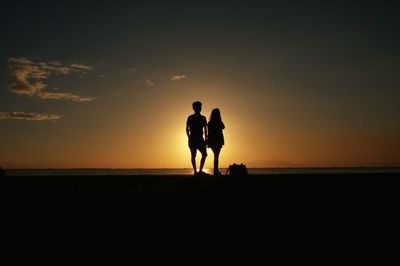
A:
[198,144]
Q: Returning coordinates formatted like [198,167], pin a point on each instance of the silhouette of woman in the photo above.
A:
[216,137]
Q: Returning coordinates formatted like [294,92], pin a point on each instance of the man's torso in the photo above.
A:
[196,124]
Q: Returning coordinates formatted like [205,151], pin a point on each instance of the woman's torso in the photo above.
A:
[215,134]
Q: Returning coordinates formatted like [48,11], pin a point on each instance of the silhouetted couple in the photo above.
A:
[202,134]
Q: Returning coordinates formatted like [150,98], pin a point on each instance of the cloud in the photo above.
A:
[64,96]
[29,77]
[149,83]
[29,116]
[179,77]
[84,69]
[128,73]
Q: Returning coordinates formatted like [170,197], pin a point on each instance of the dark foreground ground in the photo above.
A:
[299,217]
[327,205]
[332,187]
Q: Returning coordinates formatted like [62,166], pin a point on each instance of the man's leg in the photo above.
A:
[194,152]
[203,158]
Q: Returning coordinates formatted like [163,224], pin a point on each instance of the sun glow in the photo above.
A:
[208,171]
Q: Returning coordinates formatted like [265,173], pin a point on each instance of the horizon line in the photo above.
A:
[254,168]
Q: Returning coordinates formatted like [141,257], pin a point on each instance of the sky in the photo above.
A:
[110,84]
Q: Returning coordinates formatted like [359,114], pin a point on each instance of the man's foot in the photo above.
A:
[201,173]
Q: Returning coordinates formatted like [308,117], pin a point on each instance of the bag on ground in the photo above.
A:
[237,170]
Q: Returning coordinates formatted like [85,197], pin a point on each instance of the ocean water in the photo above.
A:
[186,172]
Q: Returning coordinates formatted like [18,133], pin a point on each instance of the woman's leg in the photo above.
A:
[216,151]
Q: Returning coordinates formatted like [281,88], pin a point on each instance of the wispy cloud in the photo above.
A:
[149,83]
[29,78]
[64,96]
[178,77]
[29,116]
[84,69]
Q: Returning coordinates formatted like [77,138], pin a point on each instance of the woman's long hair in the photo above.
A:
[215,118]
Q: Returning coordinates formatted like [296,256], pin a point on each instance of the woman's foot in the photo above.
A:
[217,173]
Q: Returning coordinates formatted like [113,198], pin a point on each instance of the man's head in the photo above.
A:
[197,107]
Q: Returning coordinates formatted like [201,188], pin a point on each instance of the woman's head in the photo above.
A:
[215,116]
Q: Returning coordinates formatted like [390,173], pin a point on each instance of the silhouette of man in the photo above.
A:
[196,130]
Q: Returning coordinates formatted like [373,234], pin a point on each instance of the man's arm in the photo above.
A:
[205,130]
[188,129]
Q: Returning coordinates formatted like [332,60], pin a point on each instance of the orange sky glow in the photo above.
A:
[111,84]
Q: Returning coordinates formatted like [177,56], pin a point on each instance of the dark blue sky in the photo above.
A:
[359,27]
[333,37]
